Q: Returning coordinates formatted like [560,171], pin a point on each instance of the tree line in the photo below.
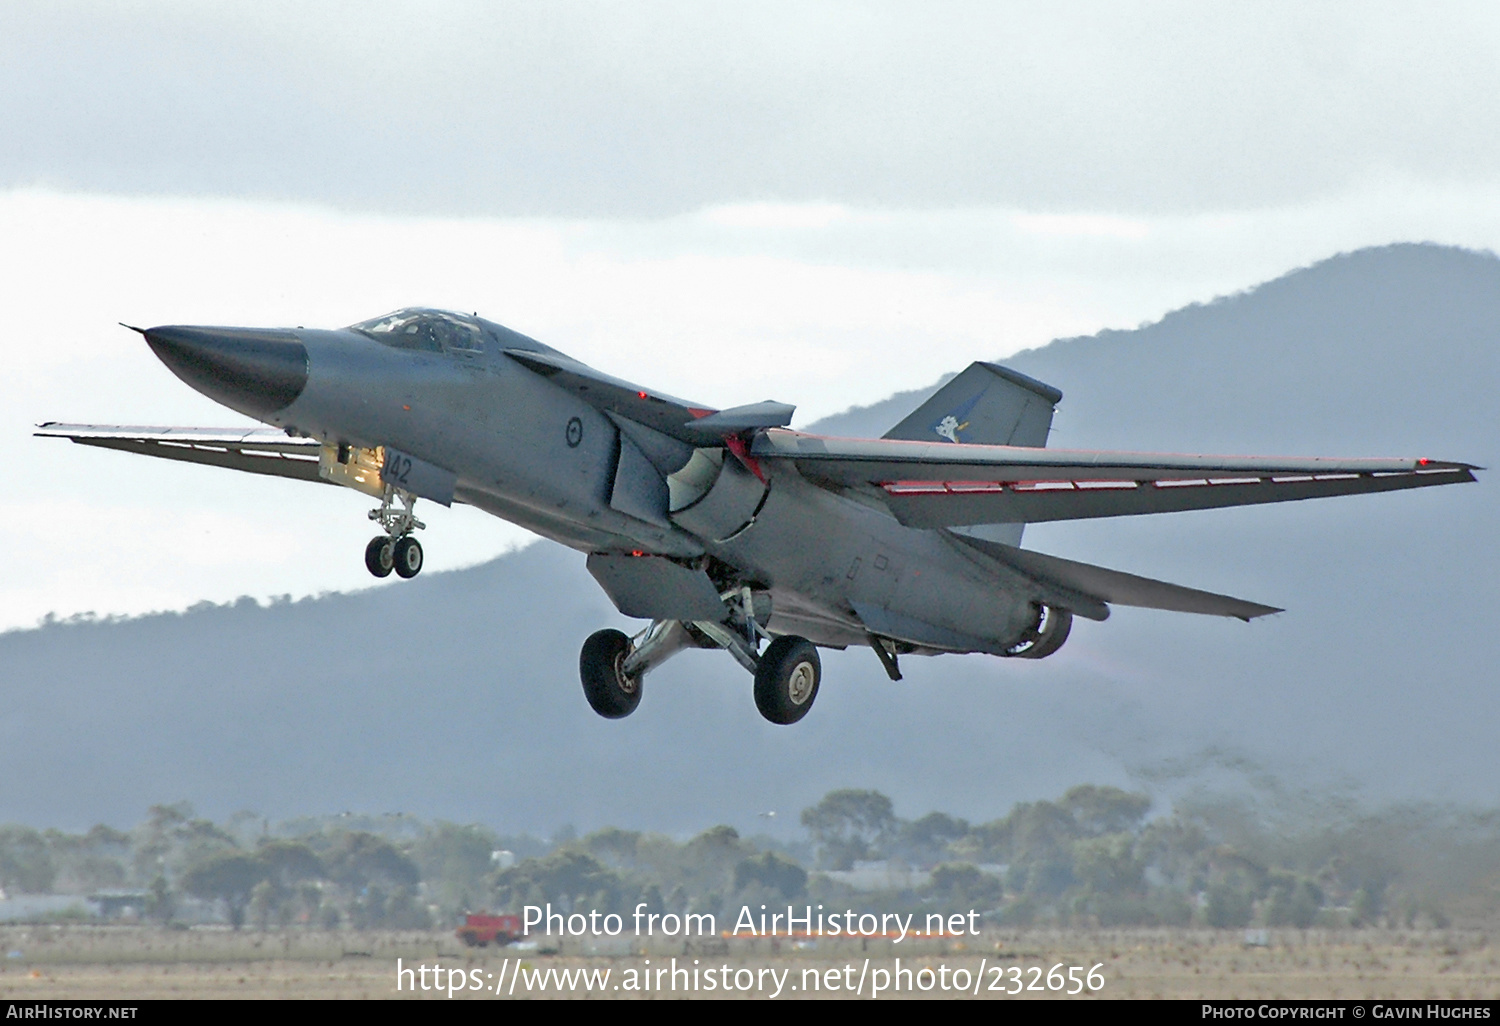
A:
[1094,856]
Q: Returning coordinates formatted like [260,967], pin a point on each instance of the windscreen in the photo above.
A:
[430,330]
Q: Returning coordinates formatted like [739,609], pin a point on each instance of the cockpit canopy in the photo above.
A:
[434,331]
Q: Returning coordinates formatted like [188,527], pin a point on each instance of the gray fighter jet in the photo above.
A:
[722,528]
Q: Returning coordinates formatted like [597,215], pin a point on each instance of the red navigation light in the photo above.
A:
[636,552]
[1423,462]
[643,395]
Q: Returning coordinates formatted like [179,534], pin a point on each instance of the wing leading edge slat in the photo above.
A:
[1009,504]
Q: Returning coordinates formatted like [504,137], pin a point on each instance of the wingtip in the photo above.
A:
[1428,464]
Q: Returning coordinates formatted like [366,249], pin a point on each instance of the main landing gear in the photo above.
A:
[786,682]
[396,549]
[611,690]
[787,674]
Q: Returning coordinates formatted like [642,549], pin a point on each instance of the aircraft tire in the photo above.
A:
[787,681]
[611,694]
[407,557]
[379,556]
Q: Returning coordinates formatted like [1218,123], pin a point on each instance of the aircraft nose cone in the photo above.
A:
[252,370]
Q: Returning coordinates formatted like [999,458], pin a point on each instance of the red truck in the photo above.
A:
[481,928]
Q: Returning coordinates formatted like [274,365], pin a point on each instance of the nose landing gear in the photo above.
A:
[406,554]
[380,556]
[396,549]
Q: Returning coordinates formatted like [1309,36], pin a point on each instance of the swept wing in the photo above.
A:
[255,450]
[946,484]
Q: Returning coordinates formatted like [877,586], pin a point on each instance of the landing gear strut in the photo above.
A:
[396,549]
[611,665]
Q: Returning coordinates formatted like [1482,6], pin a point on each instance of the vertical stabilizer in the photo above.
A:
[985,405]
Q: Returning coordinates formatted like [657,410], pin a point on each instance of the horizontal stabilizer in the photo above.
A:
[1113,586]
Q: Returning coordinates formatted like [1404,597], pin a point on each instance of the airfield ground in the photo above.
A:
[128,963]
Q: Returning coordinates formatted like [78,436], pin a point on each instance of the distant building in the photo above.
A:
[881,876]
[120,904]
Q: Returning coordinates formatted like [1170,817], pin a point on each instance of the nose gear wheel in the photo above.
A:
[396,549]
[380,556]
[406,556]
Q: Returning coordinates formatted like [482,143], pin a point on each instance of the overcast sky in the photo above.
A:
[643,109]
[814,202]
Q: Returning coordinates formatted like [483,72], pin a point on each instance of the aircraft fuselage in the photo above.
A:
[531,452]
[721,527]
